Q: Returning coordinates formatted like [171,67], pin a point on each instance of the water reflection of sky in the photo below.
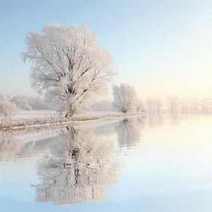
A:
[131,165]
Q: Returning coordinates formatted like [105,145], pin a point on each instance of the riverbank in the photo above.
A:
[57,119]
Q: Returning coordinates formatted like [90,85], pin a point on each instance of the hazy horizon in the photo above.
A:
[162,48]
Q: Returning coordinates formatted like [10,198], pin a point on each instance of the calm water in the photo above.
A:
[152,165]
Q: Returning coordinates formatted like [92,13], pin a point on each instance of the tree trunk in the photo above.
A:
[69,111]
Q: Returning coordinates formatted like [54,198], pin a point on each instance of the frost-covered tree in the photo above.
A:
[29,102]
[7,107]
[125,98]
[140,107]
[21,102]
[68,65]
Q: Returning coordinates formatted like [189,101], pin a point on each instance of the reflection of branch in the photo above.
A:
[79,172]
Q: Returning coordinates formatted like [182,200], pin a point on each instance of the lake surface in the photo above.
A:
[154,164]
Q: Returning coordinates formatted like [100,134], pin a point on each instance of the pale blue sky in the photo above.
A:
[156,44]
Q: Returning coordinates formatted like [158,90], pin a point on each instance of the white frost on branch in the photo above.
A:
[68,66]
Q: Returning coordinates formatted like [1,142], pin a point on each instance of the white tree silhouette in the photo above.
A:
[7,107]
[125,98]
[68,66]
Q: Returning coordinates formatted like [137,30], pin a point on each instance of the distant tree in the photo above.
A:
[7,107]
[29,102]
[21,102]
[125,98]
[68,66]
[154,106]
[140,106]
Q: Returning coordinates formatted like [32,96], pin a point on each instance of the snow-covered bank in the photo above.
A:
[51,118]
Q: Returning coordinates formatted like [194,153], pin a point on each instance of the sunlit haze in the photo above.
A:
[163,48]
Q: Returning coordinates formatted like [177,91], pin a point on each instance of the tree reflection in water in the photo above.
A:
[9,147]
[79,171]
[129,131]
[16,144]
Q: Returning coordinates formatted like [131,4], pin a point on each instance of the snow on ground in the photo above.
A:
[24,119]
[39,114]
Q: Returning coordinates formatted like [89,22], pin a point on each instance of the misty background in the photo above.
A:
[163,48]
